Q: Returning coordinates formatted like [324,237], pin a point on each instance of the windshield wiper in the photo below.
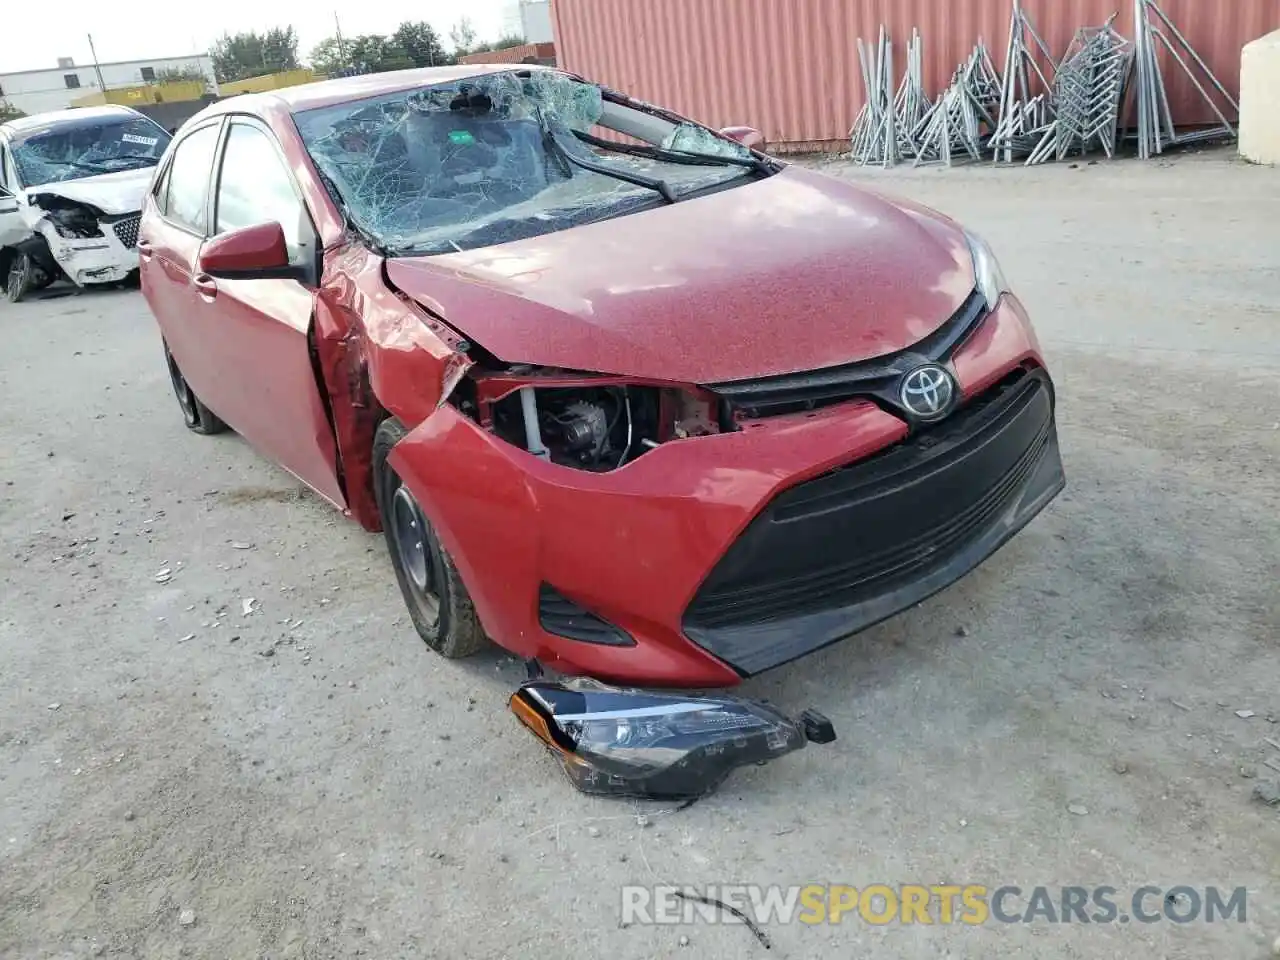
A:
[558,149]
[676,156]
[78,164]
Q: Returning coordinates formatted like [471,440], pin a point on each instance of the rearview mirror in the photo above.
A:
[749,137]
[258,252]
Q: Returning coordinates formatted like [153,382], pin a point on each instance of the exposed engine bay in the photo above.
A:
[589,423]
[71,218]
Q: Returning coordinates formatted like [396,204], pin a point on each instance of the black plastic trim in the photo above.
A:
[559,615]
[876,379]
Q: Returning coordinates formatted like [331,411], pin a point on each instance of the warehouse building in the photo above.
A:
[56,88]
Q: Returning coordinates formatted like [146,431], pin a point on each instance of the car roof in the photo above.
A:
[326,93]
[53,118]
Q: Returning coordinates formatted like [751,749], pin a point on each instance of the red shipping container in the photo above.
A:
[790,67]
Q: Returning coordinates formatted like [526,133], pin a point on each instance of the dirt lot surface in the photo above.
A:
[308,780]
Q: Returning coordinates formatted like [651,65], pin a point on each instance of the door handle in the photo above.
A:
[206,285]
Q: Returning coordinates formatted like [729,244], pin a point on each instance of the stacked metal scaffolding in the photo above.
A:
[874,137]
[1155,119]
[1039,108]
[957,121]
[885,130]
[912,104]
[1087,94]
[1024,117]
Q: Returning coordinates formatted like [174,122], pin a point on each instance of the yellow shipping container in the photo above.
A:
[269,81]
[175,92]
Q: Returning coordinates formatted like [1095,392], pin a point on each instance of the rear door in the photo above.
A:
[269,392]
[174,224]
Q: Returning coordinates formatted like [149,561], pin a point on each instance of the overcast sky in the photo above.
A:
[127,31]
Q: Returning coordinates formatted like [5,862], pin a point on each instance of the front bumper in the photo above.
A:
[834,555]
[109,258]
[668,549]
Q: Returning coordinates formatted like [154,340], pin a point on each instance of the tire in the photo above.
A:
[198,418]
[433,591]
[20,278]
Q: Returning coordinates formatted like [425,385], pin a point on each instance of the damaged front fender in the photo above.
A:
[378,354]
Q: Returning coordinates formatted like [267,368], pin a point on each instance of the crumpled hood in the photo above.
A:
[112,193]
[794,272]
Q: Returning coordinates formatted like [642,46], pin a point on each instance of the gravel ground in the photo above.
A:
[308,780]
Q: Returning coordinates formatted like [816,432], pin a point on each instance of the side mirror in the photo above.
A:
[258,252]
[747,136]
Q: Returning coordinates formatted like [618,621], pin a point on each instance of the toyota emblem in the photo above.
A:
[927,392]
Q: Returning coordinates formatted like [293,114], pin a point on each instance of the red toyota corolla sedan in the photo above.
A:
[624,393]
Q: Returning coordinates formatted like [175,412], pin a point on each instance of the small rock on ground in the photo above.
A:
[1079,809]
[1268,791]
[187,917]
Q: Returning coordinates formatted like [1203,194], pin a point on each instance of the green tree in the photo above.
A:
[328,56]
[251,54]
[180,75]
[280,49]
[463,36]
[9,112]
[375,53]
[420,44]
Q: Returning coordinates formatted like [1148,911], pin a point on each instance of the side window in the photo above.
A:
[5,185]
[254,186]
[188,178]
[160,189]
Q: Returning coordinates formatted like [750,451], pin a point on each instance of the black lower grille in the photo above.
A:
[859,533]
[127,230]
[559,615]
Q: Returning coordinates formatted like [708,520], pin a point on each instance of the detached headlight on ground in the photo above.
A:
[633,743]
[987,274]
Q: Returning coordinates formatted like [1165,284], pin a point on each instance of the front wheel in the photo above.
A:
[438,602]
[21,277]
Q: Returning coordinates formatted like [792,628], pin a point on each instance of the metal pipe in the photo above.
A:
[532,432]
[1212,106]
[627,450]
[1191,50]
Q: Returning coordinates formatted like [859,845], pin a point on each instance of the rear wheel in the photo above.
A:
[197,417]
[438,602]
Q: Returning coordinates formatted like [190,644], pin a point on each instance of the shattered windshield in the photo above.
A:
[68,149]
[504,156]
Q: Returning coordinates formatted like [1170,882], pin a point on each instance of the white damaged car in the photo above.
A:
[71,188]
